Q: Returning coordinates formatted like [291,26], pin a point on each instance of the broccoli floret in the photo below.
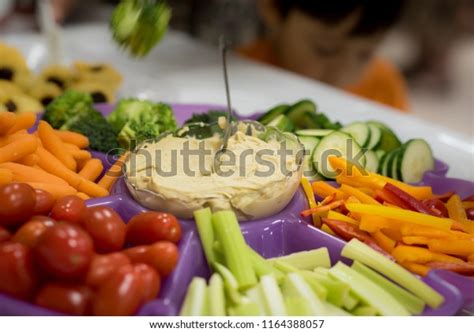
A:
[136,120]
[67,106]
[208,117]
[138,25]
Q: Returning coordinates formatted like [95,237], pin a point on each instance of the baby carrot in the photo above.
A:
[77,153]
[113,173]
[92,169]
[76,139]
[29,160]
[82,196]
[23,121]
[51,164]
[7,121]
[53,144]
[91,189]
[18,149]
[22,173]
[7,139]
[57,190]
[6,176]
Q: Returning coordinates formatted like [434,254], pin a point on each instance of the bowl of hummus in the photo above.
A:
[255,176]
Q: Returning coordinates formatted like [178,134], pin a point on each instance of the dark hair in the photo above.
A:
[376,15]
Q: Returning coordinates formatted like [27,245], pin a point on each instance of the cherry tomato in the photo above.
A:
[150,281]
[150,227]
[121,295]
[68,299]
[17,277]
[103,266]
[29,233]
[106,228]
[64,251]
[44,202]
[4,234]
[17,203]
[69,208]
[162,256]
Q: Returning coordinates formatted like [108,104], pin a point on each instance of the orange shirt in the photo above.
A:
[381,81]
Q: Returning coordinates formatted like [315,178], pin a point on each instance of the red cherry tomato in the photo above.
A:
[150,281]
[68,299]
[17,276]
[17,201]
[103,266]
[44,202]
[64,251]
[29,233]
[162,256]
[106,228]
[69,208]
[150,227]
[121,295]
[4,234]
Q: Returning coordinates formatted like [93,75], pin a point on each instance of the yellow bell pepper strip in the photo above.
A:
[339,216]
[324,189]
[416,268]
[466,226]
[345,167]
[321,208]
[384,241]
[455,209]
[430,232]
[371,223]
[367,191]
[465,268]
[467,205]
[401,215]
[452,247]
[326,229]
[420,255]
[415,240]
[311,200]
[393,233]
[362,197]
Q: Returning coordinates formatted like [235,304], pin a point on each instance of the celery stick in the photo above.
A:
[297,306]
[203,219]
[350,301]
[256,295]
[273,296]
[230,284]
[336,289]
[245,308]
[359,251]
[368,291]
[365,311]
[195,302]
[229,236]
[295,286]
[262,267]
[307,260]
[315,285]
[284,267]
[412,303]
[332,310]
[216,296]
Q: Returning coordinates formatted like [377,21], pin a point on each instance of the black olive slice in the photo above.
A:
[6,74]
[10,105]
[98,97]
[59,82]
[46,100]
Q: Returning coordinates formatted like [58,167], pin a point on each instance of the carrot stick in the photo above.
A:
[6,176]
[53,144]
[452,247]
[92,169]
[362,197]
[7,121]
[113,173]
[22,173]
[23,121]
[57,190]
[18,149]
[76,139]
[83,196]
[81,155]
[51,164]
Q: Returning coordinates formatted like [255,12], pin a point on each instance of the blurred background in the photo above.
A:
[432,44]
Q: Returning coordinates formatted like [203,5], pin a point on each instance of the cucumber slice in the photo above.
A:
[372,161]
[302,113]
[375,136]
[416,158]
[394,164]
[380,154]
[313,132]
[360,131]
[282,122]
[389,140]
[339,143]
[386,162]
[310,143]
[273,113]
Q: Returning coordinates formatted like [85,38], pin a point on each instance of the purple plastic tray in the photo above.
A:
[281,234]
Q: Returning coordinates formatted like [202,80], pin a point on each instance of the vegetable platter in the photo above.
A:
[281,234]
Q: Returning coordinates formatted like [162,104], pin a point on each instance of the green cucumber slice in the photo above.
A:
[313,132]
[273,113]
[394,164]
[372,161]
[386,162]
[302,114]
[339,143]
[380,154]
[360,131]
[389,140]
[416,158]
[310,143]
[375,136]
[282,122]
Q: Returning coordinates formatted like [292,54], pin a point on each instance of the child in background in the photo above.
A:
[333,41]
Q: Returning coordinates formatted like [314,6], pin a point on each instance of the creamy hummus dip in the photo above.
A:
[255,183]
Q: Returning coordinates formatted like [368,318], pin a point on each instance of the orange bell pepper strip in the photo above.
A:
[465,268]
[430,232]
[345,167]
[321,208]
[308,191]
[361,196]
[455,208]
[401,215]
[324,189]
[419,192]
[339,216]
[416,268]
[415,240]
[403,253]
[465,225]
[371,224]
[452,247]
[470,258]
[384,241]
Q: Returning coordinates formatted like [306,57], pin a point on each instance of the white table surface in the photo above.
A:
[183,70]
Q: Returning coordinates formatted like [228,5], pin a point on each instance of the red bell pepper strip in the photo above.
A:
[408,199]
[437,206]
[387,196]
[321,208]
[444,197]
[461,267]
